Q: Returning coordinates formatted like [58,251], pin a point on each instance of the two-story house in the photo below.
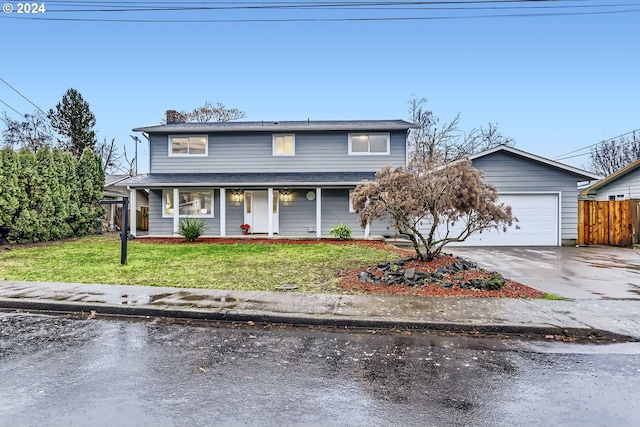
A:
[292,178]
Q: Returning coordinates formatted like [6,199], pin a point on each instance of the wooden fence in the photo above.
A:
[613,222]
[142,218]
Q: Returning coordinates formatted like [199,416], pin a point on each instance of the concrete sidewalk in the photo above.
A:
[577,318]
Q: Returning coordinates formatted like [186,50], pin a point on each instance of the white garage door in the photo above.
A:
[537,223]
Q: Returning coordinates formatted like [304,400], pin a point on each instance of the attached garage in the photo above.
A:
[542,193]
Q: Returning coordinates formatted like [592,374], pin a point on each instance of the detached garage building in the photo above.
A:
[542,193]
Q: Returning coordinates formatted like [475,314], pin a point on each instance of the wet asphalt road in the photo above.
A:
[58,371]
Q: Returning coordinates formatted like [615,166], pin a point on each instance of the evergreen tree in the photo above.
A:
[26,224]
[73,120]
[63,199]
[72,187]
[9,191]
[91,183]
[43,194]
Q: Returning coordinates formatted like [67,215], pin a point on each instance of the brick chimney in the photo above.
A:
[174,116]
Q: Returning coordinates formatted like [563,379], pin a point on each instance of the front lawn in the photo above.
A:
[241,266]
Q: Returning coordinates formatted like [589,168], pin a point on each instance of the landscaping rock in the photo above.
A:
[395,273]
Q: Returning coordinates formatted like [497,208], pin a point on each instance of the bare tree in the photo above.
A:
[612,155]
[209,112]
[432,143]
[33,133]
[454,194]
[482,138]
[109,156]
[428,143]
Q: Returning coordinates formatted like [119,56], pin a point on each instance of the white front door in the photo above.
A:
[257,210]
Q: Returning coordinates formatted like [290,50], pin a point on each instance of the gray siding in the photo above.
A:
[511,173]
[159,226]
[628,185]
[235,215]
[298,216]
[252,152]
[335,211]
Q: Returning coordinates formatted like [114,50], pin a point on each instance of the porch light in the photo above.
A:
[285,196]
[236,198]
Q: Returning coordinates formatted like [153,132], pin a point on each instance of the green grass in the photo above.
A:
[242,266]
[552,297]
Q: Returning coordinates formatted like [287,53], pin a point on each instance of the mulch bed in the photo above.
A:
[351,282]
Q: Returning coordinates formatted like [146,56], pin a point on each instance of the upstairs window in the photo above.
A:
[191,145]
[284,145]
[368,144]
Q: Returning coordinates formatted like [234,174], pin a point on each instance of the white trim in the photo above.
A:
[351,208]
[273,145]
[132,208]
[270,211]
[176,211]
[318,212]
[369,153]
[223,211]
[206,145]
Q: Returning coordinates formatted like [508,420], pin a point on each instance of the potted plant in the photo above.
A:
[245,228]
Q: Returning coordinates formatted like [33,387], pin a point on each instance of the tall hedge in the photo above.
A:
[48,195]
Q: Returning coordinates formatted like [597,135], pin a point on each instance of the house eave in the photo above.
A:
[283,126]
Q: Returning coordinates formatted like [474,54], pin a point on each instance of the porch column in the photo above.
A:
[112,217]
[132,210]
[223,212]
[318,212]
[270,211]
[176,210]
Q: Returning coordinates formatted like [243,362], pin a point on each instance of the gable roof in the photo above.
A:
[110,180]
[582,174]
[611,178]
[275,126]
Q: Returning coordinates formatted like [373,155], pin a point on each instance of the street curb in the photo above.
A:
[186,313]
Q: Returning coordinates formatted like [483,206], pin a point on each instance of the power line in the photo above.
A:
[561,156]
[36,123]
[18,92]
[16,111]
[416,5]
[275,20]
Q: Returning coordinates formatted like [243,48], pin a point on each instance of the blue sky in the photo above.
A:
[564,77]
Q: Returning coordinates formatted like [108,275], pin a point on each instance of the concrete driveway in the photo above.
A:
[592,272]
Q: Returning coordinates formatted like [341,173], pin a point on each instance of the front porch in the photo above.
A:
[272,212]
[273,204]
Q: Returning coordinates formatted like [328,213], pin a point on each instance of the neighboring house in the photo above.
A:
[621,185]
[113,190]
[543,195]
[292,178]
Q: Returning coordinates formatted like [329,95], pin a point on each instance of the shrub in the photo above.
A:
[341,231]
[191,228]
